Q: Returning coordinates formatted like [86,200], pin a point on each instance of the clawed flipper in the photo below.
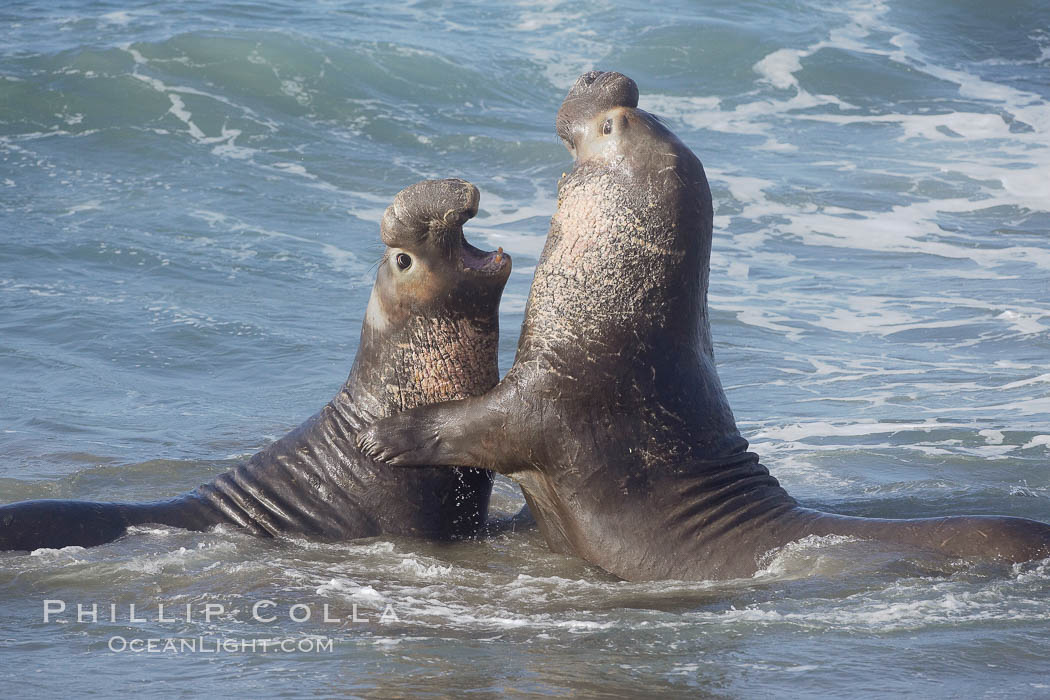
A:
[466,433]
[405,440]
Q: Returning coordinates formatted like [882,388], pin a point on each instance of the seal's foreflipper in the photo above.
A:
[467,433]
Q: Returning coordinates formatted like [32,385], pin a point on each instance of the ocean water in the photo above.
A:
[189,204]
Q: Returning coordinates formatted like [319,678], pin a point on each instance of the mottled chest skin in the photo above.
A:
[433,359]
[598,270]
[613,419]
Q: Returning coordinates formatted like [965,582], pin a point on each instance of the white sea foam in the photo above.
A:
[1011,164]
[993,437]
[295,90]
[804,557]
[1041,379]
[293,168]
[570,46]
[512,223]
[179,111]
[914,604]
[47,552]
[902,229]
[823,429]
[227,147]
[353,591]
[120,18]
[340,258]
[779,68]
[1037,441]
[426,570]
[91,205]
[178,108]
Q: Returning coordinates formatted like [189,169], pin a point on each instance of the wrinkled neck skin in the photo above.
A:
[315,482]
[428,359]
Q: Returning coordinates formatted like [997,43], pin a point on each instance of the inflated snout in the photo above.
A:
[435,209]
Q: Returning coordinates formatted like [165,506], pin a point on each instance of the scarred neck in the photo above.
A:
[428,360]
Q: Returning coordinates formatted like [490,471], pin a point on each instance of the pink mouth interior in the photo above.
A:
[474,259]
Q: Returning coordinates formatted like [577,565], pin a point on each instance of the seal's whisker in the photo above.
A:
[377,264]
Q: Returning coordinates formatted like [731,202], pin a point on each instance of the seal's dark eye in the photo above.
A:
[607,127]
[403,261]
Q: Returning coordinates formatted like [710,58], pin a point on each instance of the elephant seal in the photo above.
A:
[612,418]
[430,334]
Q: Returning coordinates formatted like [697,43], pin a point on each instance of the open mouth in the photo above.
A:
[477,260]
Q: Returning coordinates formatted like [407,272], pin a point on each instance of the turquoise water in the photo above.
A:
[189,204]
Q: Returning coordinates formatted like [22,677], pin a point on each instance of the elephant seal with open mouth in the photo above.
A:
[430,334]
[613,419]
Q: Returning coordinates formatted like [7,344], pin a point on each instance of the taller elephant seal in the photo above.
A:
[430,334]
[613,419]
